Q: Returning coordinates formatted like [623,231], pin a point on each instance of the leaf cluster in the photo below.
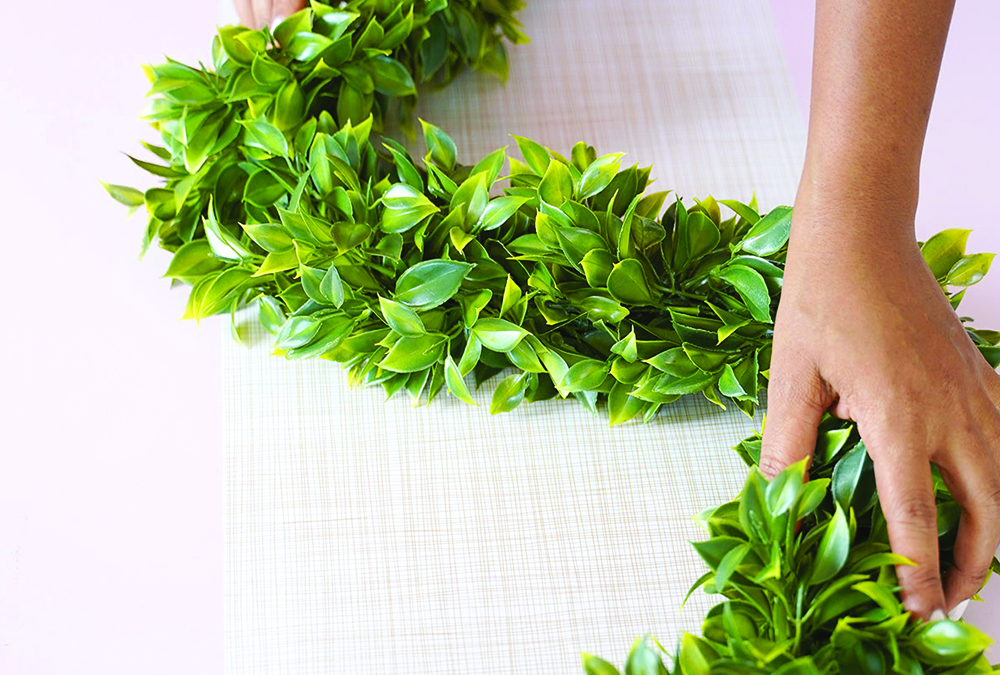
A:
[416,275]
[237,122]
[809,579]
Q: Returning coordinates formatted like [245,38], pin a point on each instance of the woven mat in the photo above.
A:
[369,534]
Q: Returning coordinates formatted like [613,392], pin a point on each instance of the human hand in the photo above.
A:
[864,331]
[259,13]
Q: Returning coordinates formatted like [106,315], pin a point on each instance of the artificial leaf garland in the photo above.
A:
[573,277]
[808,580]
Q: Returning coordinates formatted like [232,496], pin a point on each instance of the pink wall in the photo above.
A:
[111,464]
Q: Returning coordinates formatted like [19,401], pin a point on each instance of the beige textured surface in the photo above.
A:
[369,534]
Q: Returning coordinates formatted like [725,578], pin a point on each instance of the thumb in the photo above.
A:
[795,405]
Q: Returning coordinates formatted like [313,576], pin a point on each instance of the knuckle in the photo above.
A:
[926,576]
[916,513]
[972,578]
[989,502]
[770,466]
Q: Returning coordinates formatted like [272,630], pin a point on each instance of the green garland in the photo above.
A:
[413,277]
[233,124]
[809,582]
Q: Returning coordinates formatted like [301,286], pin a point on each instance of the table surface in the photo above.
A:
[111,473]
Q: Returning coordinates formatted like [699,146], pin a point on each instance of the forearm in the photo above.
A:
[875,67]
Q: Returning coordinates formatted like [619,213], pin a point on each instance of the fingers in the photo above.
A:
[971,473]
[285,8]
[245,12]
[795,405]
[907,497]
[261,13]
[977,490]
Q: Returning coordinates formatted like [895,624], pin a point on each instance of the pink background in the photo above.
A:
[111,472]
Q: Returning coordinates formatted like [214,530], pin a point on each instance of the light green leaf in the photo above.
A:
[509,393]
[535,156]
[943,250]
[412,354]
[752,288]
[770,233]
[498,334]
[969,269]
[456,384]
[498,211]
[404,208]
[833,549]
[125,195]
[430,283]
[401,318]
[598,175]
[440,146]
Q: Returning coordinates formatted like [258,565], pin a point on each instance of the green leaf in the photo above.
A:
[430,283]
[331,286]
[270,237]
[770,234]
[627,283]
[627,347]
[585,375]
[498,211]
[535,156]
[598,174]
[643,660]
[193,261]
[509,393]
[833,549]
[456,384]
[278,262]
[728,565]
[692,659]
[401,318]
[404,167]
[752,288]
[830,443]
[440,146]
[470,356]
[943,250]
[969,269]
[267,137]
[390,76]
[754,512]
[498,334]
[949,643]
[412,354]
[557,184]
[404,208]
[847,477]
[597,265]
[593,665]
[511,296]
[297,331]
[125,195]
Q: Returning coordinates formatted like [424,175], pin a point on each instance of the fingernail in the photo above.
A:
[938,615]
[958,610]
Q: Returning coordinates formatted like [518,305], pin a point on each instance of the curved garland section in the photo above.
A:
[415,275]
